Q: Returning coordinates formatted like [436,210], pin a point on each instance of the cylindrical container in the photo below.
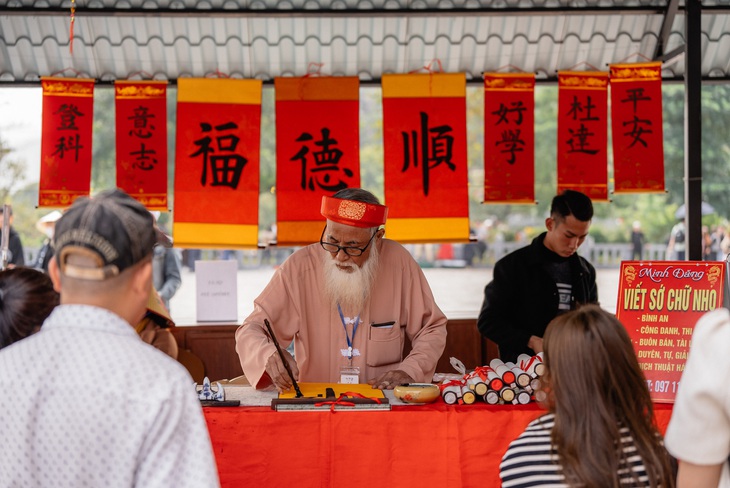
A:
[522,359]
[491,397]
[467,395]
[451,394]
[535,384]
[521,377]
[532,365]
[503,371]
[493,380]
[540,367]
[522,396]
[507,394]
[475,383]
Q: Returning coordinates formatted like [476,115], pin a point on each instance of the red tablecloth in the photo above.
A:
[416,446]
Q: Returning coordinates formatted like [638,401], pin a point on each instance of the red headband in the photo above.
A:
[353,212]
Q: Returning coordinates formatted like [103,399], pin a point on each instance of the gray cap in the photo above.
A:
[112,228]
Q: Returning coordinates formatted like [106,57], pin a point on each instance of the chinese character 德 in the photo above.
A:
[326,163]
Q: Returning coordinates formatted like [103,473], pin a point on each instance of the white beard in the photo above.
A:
[350,289]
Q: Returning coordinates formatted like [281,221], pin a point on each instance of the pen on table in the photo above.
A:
[283,358]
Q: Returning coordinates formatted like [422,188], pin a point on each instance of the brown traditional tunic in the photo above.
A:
[297,308]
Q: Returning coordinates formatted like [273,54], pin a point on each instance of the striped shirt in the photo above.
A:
[531,461]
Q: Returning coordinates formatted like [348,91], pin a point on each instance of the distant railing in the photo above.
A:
[602,255]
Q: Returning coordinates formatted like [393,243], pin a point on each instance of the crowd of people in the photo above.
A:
[348,304]
[715,242]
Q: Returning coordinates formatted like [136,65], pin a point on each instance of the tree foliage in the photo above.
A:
[12,172]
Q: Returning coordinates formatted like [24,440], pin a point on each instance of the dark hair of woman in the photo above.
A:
[595,387]
[27,297]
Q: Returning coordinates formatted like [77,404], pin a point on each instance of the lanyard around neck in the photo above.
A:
[350,340]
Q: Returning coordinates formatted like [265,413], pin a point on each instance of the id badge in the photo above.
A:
[350,375]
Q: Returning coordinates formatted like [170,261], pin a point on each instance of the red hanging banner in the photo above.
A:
[424,138]
[68,114]
[636,127]
[509,138]
[583,133]
[217,163]
[141,131]
[317,150]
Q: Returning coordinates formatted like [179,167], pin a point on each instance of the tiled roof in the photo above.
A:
[264,39]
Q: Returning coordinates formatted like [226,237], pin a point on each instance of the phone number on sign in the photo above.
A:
[663,386]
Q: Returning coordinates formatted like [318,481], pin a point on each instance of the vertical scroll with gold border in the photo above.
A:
[424,136]
[66,140]
[217,163]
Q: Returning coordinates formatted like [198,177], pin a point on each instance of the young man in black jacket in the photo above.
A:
[534,284]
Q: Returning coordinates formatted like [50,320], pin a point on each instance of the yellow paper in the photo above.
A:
[311,390]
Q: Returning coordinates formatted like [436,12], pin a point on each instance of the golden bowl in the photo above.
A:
[417,392]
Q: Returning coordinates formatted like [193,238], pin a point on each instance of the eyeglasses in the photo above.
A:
[350,251]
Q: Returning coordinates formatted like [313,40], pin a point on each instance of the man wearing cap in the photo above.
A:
[347,302]
[85,401]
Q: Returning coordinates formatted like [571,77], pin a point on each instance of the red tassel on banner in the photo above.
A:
[317,150]
[509,138]
[583,133]
[141,136]
[71,28]
[636,122]
[68,112]
[424,137]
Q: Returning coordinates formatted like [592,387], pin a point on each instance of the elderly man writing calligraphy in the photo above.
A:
[347,302]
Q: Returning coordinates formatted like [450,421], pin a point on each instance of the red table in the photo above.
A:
[435,445]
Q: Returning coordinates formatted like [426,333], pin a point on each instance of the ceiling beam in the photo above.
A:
[706,80]
[667,23]
[367,13]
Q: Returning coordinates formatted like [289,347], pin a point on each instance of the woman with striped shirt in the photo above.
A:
[599,430]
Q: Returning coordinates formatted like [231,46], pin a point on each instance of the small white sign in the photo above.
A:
[216,291]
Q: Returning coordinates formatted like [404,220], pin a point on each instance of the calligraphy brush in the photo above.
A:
[283,359]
